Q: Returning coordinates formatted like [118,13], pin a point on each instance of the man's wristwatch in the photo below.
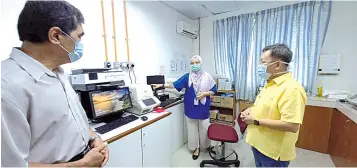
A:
[256,122]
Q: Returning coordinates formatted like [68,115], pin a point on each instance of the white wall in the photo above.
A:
[152,34]
[340,38]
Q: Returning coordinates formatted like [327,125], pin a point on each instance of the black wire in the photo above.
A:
[131,81]
[134,75]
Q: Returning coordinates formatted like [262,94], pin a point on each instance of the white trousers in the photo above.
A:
[197,134]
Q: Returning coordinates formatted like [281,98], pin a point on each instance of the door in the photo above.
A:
[314,132]
[126,152]
[338,139]
[156,143]
[352,143]
[177,127]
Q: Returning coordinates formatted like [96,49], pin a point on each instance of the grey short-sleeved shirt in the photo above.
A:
[42,119]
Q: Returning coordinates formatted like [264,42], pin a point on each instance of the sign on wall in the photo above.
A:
[329,64]
[179,63]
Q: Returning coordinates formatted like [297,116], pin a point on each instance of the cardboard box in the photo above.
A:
[227,102]
[229,118]
[216,99]
[213,114]
[225,117]
[215,104]
[244,105]
[222,117]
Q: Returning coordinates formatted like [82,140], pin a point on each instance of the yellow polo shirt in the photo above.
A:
[283,99]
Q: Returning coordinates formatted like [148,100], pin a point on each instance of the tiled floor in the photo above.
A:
[304,158]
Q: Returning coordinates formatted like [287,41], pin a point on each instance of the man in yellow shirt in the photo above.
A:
[275,118]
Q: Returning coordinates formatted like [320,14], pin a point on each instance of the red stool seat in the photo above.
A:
[222,133]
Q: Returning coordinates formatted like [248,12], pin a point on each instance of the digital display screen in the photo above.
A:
[157,79]
[106,102]
[149,102]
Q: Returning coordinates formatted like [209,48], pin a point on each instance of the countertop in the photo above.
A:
[173,104]
[133,126]
[347,109]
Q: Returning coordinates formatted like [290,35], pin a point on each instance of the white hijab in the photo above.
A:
[202,81]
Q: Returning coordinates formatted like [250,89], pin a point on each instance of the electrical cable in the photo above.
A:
[134,75]
[131,80]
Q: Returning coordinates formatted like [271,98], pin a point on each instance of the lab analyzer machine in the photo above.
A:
[143,99]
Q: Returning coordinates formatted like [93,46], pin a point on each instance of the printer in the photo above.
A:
[95,76]
[143,99]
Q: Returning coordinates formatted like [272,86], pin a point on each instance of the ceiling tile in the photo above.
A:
[199,9]
[191,9]
[220,6]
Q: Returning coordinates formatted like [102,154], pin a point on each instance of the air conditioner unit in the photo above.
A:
[186,29]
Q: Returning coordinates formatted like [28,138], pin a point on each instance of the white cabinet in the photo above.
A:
[177,127]
[151,146]
[156,144]
[126,152]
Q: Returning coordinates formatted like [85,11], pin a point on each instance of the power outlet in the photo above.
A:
[124,66]
[108,64]
[131,65]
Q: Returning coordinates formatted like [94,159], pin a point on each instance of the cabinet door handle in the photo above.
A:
[144,134]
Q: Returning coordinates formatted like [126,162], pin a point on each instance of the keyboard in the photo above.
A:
[116,124]
[168,102]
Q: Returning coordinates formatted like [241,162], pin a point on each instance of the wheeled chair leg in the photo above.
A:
[226,163]
[221,162]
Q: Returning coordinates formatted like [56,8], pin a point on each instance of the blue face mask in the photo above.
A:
[262,70]
[195,67]
[77,52]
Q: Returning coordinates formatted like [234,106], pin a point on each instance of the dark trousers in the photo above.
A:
[263,161]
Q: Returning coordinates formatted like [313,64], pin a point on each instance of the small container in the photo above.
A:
[159,110]
[319,91]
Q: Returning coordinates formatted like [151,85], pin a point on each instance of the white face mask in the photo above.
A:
[262,70]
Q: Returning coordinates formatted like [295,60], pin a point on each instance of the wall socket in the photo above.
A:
[108,64]
[127,65]
[122,66]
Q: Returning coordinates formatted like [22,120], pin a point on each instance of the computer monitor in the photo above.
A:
[102,104]
[155,79]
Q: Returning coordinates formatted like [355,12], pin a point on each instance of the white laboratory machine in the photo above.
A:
[143,99]
[94,76]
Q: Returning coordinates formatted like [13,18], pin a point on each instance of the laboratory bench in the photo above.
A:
[149,143]
[330,127]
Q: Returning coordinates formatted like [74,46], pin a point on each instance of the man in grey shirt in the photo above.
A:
[42,120]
